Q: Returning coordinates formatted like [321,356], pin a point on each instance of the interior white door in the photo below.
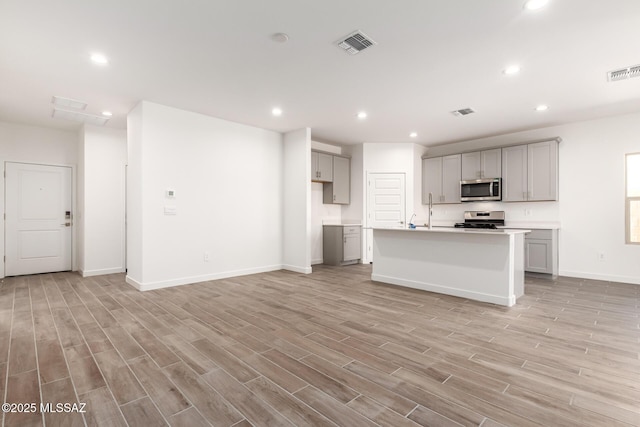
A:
[385,205]
[38,218]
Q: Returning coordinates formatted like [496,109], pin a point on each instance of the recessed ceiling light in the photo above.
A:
[511,70]
[535,4]
[542,108]
[99,59]
[107,113]
[362,115]
[280,37]
[413,135]
[276,111]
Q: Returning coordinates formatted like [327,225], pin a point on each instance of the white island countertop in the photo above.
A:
[435,229]
[481,264]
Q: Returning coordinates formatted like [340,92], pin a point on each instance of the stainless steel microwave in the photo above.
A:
[477,190]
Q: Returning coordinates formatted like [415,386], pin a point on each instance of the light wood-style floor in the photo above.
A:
[330,348]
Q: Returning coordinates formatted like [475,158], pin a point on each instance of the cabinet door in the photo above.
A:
[341,180]
[491,163]
[314,166]
[543,171]
[451,172]
[471,166]
[537,255]
[351,247]
[325,167]
[514,173]
[432,179]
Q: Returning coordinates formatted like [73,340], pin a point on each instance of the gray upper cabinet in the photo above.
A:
[339,190]
[530,172]
[482,164]
[441,177]
[514,173]
[321,167]
[543,171]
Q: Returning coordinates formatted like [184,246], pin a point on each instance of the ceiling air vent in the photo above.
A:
[79,117]
[355,42]
[624,73]
[463,112]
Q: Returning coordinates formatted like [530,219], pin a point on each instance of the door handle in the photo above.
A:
[66,224]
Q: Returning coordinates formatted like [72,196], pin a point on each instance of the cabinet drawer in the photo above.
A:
[540,234]
[351,230]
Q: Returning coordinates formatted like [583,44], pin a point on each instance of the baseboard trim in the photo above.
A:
[296,269]
[197,279]
[101,272]
[317,261]
[495,299]
[605,277]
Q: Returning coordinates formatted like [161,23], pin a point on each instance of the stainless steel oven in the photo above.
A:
[476,190]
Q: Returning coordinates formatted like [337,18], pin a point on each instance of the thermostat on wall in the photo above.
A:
[171,193]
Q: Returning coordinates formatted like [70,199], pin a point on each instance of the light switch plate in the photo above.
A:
[170,193]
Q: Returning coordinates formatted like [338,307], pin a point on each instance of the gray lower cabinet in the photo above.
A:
[541,251]
[341,244]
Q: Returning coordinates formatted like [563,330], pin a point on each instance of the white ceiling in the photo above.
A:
[217,58]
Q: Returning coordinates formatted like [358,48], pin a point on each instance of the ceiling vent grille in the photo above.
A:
[624,73]
[68,102]
[79,117]
[355,42]
[463,112]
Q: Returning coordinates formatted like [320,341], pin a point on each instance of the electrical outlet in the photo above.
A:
[601,256]
[207,257]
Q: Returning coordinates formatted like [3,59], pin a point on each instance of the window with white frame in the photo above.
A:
[632,204]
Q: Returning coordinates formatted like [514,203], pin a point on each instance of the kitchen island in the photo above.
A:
[483,265]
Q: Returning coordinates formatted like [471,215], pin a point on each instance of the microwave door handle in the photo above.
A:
[491,190]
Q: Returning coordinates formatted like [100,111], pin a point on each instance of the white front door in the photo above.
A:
[38,218]
[385,205]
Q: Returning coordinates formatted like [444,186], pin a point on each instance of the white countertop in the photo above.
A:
[341,224]
[535,225]
[505,231]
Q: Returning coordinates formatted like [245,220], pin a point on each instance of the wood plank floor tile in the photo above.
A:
[332,409]
[23,388]
[379,414]
[209,402]
[226,360]
[22,354]
[293,409]
[142,412]
[85,374]
[123,384]
[328,385]
[361,385]
[51,361]
[61,392]
[169,399]
[188,418]
[182,348]
[254,409]
[102,409]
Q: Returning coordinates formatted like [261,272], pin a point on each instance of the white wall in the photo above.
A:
[297,201]
[591,206]
[229,199]
[33,144]
[101,207]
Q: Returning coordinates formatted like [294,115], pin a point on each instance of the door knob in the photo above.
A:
[66,224]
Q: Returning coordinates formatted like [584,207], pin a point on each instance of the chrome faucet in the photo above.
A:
[430,209]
